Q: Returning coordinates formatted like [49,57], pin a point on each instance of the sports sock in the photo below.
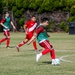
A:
[8,42]
[3,40]
[21,44]
[40,54]
[52,52]
[34,44]
[45,51]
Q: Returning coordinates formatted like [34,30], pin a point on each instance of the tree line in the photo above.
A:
[18,7]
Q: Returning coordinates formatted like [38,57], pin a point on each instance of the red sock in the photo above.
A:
[52,52]
[34,44]
[3,40]
[21,44]
[8,42]
[45,51]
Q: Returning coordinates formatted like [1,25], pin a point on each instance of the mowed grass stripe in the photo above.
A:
[23,62]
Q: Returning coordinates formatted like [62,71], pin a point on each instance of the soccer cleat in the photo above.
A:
[0,43]
[7,47]
[37,57]
[17,48]
[53,62]
[37,50]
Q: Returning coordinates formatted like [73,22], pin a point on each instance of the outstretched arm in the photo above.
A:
[3,25]
[34,36]
[48,35]
[13,25]
[25,28]
[38,30]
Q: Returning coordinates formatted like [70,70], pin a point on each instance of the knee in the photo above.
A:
[51,46]
[25,40]
[8,37]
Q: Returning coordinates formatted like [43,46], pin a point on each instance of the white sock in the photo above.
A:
[53,59]
[40,54]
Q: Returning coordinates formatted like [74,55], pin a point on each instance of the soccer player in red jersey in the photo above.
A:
[5,22]
[42,38]
[29,28]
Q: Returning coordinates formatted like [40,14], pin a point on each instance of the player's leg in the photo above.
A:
[47,47]
[21,44]
[52,52]
[34,45]
[8,42]
[4,39]
[29,36]
[8,39]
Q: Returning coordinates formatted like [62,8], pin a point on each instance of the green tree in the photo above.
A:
[47,5]
[72,11]
[25,4]
[33,5]
[21,21]
[0,6]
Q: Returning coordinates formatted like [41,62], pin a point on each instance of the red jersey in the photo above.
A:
[31,25]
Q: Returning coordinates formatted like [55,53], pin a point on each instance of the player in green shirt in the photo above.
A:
[42,38]
[6,22]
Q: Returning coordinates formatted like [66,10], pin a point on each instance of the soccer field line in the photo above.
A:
[62,58]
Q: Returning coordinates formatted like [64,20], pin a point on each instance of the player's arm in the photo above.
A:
[25,28]
[34,36]
[13,25]
[48,35]
[2,23]
[38,30]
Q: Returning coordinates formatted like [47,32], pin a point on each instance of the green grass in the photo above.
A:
[23,62]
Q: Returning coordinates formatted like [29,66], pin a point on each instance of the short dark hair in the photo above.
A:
[33,16]
[44,19]
[6,12]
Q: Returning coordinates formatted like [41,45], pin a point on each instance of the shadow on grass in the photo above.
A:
[36,50]
[47,62]
[9,46]
[12,47]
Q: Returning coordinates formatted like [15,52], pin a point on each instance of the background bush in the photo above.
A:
[64,26]
[40,6]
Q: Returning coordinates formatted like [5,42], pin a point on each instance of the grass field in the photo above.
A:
[23,62]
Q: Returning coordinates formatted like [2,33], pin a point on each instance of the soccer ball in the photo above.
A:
[57,61]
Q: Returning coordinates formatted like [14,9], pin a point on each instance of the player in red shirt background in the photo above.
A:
[29,29]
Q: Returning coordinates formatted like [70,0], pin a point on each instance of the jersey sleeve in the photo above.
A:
[39,29]
[27,23]
[3,20]
[10,19]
